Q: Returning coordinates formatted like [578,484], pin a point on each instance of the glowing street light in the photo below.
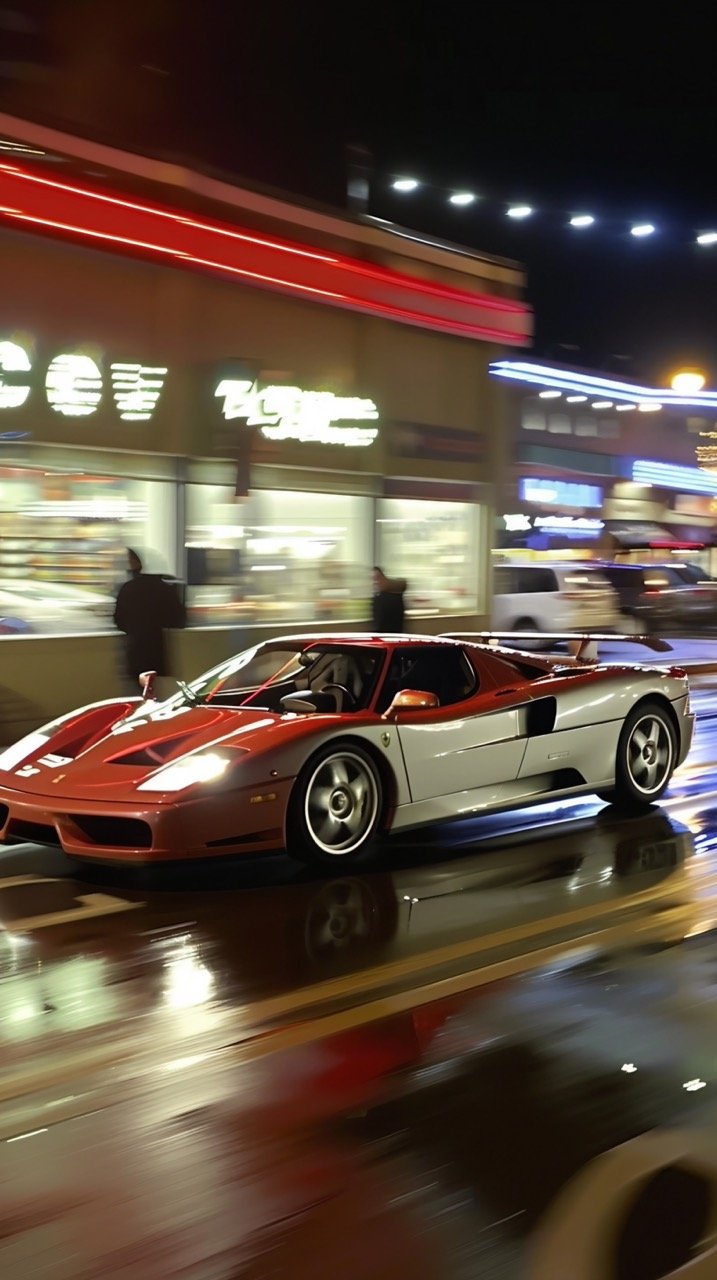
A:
[405,184]
[519,211]
[707,237]
[688,381]
[462,197]
[642,229]
[582,220]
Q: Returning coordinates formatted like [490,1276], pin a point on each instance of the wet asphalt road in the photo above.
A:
[495,1057]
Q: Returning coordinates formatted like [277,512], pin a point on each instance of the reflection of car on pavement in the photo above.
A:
[284,934]
[321,744]
[55,606]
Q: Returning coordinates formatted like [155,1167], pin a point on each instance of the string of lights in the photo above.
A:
[578,219]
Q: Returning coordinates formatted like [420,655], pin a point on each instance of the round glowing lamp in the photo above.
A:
[688,382]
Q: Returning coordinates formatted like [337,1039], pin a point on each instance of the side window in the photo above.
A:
[503,584]
[624,579]
[673,578]
[443,671]
[538,579]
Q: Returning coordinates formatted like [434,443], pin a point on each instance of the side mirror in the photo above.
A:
[146,684]
[411,700]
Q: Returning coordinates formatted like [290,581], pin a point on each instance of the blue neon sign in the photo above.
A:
[560,493]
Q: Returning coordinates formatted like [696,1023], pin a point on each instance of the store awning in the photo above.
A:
[636,535]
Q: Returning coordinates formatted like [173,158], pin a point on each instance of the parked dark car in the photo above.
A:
[658,596]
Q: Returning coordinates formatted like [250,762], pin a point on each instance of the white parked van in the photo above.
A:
[560,597]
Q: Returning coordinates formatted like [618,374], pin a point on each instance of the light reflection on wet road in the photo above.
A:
[253,1070]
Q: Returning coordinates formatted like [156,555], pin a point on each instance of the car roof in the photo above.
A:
[568,566]
[363,637]
[647,564]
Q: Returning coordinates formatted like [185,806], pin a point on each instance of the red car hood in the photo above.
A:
[139,745]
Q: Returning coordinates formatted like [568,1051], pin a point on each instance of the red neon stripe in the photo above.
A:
[157,248]
[282,246]
[156,212]
[338,281]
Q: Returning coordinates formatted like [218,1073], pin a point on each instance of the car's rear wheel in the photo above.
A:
[336,807]
[645,759]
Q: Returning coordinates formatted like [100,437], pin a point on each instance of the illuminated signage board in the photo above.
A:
[290,413]
[668,475]
[572,525]
[560,493]
[74,384]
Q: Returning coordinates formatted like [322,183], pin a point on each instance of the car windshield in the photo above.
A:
[266,674]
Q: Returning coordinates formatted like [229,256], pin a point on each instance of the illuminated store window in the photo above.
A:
[63,537]
[435,546]
[560,424]
[532,419]
[276,556]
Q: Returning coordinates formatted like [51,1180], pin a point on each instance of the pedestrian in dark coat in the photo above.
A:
[388,611]
[147,604]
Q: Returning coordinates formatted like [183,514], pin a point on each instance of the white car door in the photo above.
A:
[446,752]
[470,739]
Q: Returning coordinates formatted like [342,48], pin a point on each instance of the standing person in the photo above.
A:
[388,611]
[146,605]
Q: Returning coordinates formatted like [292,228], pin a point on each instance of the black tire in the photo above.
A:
[336,807]
[645,758]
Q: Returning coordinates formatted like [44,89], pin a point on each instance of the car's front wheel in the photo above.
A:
[646,755]
[336,807]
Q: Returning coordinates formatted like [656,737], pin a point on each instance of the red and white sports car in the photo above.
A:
[323,743]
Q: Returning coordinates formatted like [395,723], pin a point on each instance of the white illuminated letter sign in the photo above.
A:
[136,389]
[289,413]
[73,385]
[13,359]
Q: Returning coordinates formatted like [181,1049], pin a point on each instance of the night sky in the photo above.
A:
[560,106]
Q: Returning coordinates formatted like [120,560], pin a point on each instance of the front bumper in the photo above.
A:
[209,825]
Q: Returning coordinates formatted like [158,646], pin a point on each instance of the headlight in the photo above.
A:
[203,767]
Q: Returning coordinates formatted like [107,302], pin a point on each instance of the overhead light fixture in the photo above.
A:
[576,399]
[642,229]
[519,210]
[405,184]
[582,220]
[688,382]
[649,406]
[602,404]
[462,197]
[707,237]
[620,408]
[549,395]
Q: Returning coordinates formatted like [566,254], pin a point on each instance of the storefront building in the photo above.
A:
[604,468]
[263,398]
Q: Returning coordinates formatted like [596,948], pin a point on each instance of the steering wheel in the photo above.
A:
[349,702]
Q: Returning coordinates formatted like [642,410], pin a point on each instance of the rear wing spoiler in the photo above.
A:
[511,639]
